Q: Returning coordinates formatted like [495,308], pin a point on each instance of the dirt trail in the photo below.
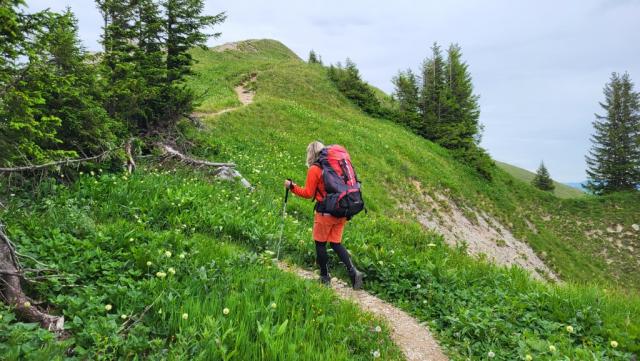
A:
[245,96]
[415,340]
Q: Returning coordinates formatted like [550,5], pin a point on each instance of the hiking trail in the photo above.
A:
[413,338]
[245,96]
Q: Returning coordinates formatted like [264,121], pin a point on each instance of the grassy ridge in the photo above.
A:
[561,190]
[474,307]
[298,97]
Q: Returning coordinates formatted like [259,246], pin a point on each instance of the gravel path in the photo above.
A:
[415,340]
[245,96]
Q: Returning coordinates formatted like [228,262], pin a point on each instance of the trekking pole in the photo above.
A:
[284,214]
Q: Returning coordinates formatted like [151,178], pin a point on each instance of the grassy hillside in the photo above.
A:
[295,103]
[104,228]
[561,190]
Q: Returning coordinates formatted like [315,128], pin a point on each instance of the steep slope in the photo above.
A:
[473,306]
[298,97]
[561,190]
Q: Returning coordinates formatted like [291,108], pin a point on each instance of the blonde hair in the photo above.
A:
[313,152]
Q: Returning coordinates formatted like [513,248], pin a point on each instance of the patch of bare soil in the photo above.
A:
[481,233]
[414,339]
[245,96]
[245,46]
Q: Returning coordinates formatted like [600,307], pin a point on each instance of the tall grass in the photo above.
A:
[144,280]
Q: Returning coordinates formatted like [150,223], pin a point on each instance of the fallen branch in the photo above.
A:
[169,151]
[131,322]
[131,163]
[12,293]
[195,120]
[224,170]
[51,164]
[232,174]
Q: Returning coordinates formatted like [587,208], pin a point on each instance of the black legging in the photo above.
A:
[323,257]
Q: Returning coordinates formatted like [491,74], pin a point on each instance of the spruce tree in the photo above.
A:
[150,65]
[74,92]
[185,28]
[613,163]
[543,180]
[351,85]
[119,41]
[460,122]
[406,93]
[313,57]
[432,95]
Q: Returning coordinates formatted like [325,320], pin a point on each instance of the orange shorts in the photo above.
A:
[328,228]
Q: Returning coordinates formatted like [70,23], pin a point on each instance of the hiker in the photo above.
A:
[326,227]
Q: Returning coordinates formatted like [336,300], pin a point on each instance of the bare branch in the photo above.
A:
[171,152]
[62,162]
[131,163]
[11,292]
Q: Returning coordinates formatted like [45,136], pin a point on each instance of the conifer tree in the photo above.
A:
[185,28]
[74,92]
[50,105]
[349,83]
[150,65]
[23,129]
[432,95]
[460,121]
[406,94]
[119,41]
[543,180]
[313,58]
[613,163]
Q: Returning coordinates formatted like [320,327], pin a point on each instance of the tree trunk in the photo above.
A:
[11,277]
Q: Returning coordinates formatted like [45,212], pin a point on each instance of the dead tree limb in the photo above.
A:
[132,321]
[131,163]
[224,171]
[195,120]
[232,174]
[12,293]
[169,151]
[51,164]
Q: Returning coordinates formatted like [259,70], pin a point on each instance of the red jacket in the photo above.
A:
[314,182]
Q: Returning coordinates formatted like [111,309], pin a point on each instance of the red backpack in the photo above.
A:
[343,198]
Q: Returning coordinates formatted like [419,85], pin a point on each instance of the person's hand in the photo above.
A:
[287,184]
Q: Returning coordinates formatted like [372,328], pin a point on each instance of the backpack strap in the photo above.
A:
[319,165]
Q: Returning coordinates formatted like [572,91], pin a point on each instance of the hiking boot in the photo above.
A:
[356,278]
[325,280]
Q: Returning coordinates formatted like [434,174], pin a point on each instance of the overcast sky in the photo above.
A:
[538,66]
